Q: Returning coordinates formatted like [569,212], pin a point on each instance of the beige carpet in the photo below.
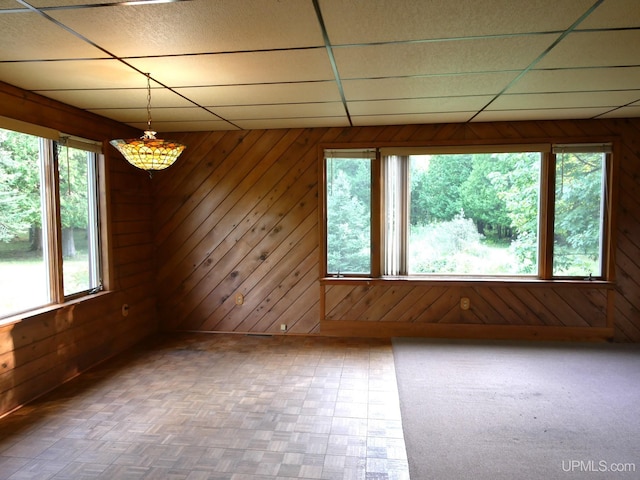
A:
[491,410]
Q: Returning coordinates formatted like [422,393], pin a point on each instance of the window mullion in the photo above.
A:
[547,209]
[608,268]
[52,229]
[404,202]
[377,216]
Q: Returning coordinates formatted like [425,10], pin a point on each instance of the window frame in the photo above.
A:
[49,143]
[546,220]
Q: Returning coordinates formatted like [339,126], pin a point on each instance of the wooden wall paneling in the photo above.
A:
[414,301]
[231,206]
[627,320]
[506,308]
[298,309]
[390,298]
[194,167]
[194,293]
[445,307]
[514,308]
[353,298]
[246,257]
[486,306]
[196,216]
[171,202]
[273,277]
[419,309]
[627,301]
[562,313]
[239,234]
[538,307]
[201,244]
[334,296]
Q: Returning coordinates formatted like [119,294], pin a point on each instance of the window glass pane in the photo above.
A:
[578,233]
[474,214]
[23,269]
[348,215]
[79,219]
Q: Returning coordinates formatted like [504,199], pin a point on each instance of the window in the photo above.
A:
[580,210]
[49,225]
[79,219]
[488,211]
[348,195]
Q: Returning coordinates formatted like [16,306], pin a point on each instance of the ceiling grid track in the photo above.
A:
[332,60]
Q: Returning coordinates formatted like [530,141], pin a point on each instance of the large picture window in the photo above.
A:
[536,211]
[49,222]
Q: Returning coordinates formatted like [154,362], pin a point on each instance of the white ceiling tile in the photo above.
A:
[68,74]
[29,36]
[564,100]
[10,5]
[600,49]
[538,114]
[576,80]
[624,112]
[481,55]
[412,118]
[613,14]
[130,115]
[294,123]
[427,86]
[322,91]
[299,110]
[198,26]
[124,98]
[67,3]
[164,129]
[418,105]
[266,60]
[350,22]
[238,68]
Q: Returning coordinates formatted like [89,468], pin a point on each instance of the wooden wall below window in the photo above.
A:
[559,311]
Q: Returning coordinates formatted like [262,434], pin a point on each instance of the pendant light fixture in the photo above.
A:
[148,152]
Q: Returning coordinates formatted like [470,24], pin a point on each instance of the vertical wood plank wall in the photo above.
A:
[239,215]
[39,352]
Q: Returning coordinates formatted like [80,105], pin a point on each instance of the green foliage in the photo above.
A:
[20,200]
[443,247]
[348,219]
[578,210]
[72,167]
[436,191]
[479,197]
[19,184]
[519,188]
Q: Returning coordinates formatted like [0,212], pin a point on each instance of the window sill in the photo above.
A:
[469,281]
[29,314]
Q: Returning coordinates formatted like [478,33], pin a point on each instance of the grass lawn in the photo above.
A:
[23,278]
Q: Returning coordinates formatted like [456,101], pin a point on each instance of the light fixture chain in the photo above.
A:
[148,102]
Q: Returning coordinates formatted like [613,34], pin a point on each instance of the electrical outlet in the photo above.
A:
[465,303]
[239,299]
[283,327]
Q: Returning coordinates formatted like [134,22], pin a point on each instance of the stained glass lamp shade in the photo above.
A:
[148,152]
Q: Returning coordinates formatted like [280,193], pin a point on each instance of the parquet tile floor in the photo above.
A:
[218,406]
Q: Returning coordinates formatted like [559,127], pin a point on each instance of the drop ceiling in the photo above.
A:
[253,64]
